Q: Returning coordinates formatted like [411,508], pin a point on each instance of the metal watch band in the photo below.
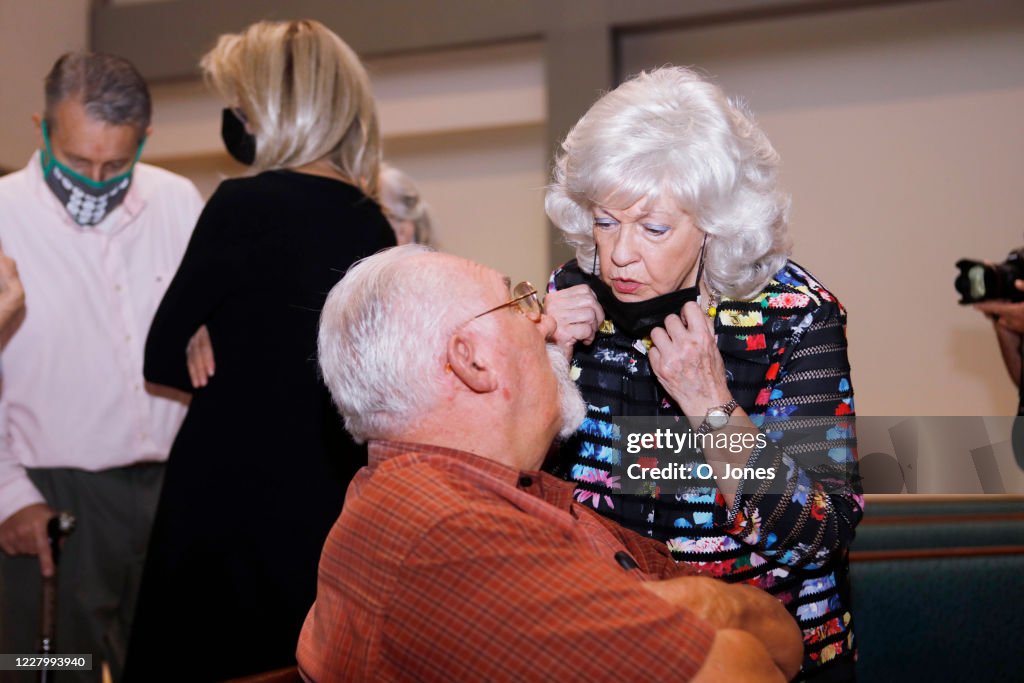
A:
[727,408]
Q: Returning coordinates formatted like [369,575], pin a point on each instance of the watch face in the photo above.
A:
[717,418]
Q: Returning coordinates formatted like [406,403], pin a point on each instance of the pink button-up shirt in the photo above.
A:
[72,391]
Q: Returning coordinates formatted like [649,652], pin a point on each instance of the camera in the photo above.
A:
[980,281]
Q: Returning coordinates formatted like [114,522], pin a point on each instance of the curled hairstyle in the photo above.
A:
[670,132]
[382,341]
[305,96]
[110,89]
[402,201]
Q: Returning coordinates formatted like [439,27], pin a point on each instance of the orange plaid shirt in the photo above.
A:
[445,566]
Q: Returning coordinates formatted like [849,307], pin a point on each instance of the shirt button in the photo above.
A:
[525,481]
[625,560]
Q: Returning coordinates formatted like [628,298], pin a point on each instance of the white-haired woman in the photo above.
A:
[405,208]
[682,302]
[258,472]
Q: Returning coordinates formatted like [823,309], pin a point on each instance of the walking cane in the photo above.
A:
[59,527]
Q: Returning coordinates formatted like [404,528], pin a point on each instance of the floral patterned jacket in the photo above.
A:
[786,365]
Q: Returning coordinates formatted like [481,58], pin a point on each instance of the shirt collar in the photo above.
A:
[540,484]
[382,451]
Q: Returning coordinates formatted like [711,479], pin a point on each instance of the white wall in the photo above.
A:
[899,127]
[33,33]
[901,133]
[468,125]
[487,191]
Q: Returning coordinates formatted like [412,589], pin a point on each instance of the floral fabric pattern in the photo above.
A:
[786,365]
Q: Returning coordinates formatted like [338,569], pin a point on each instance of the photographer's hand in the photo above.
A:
[1008,321]
[1006,314]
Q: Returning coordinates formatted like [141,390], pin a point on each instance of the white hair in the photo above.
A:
[382,342]
[402,201]
[670,131]
[571,405]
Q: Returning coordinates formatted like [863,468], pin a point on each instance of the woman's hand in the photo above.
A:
[686,360]
[12,295]
[199,355]
[578,315]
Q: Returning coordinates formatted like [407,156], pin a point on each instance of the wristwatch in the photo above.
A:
[717,417]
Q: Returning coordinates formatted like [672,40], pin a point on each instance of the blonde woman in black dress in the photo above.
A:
[258,472]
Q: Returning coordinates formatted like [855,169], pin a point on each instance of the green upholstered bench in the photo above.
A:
[951,534]
[943,614]
[895,522]
[911,505]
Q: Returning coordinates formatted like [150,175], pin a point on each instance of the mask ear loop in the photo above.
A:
[593,267]
[46,156]
[700,270]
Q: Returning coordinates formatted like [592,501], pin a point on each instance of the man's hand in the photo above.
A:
[1008,315]
[1005,314]
[1008,321]
[740,607]
[24,533]
[199,355]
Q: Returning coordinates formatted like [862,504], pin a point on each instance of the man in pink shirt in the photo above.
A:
[97,237]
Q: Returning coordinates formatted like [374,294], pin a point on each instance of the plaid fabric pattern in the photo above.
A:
[445,566]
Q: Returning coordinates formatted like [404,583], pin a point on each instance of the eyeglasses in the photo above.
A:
[524,298]
[526,301]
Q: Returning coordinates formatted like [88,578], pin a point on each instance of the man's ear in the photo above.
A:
[466,362]
[37,122]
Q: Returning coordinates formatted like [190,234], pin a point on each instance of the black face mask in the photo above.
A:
[637,318]
[240,143]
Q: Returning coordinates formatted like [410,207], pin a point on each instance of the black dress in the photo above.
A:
[258,472]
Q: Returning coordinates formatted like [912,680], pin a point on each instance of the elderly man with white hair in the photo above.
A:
[454,558]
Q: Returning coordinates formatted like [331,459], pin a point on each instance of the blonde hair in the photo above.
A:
[305,95]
